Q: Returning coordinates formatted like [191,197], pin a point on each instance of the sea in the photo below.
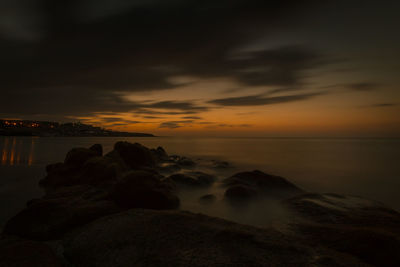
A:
[362,167]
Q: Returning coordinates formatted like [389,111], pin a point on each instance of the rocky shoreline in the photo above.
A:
[124,209]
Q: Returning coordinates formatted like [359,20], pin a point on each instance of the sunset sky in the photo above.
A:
[186,67]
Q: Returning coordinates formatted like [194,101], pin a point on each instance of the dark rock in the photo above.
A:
[98,148]
[135,155]
[193,179]
[240,192]
[160,154]
[60,174]
[207,199]
[186,162]
[99,169]
[168,167]
[78,156]
[55,167]
[95,170]
[141,189]
[220,164]
[50,219]
[173,238]
[16,252]
[352,225]
[265,184]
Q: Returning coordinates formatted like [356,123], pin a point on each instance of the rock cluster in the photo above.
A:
[88,185]
[118,210]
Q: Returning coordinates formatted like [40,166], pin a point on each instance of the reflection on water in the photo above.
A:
[17,151]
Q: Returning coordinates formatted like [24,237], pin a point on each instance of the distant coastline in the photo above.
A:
[55,129]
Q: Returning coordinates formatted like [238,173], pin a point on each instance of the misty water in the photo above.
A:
[362,167]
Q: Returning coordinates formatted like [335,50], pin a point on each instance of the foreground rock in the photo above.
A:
[352,225]
[246,185]
[155,238]
[21,252]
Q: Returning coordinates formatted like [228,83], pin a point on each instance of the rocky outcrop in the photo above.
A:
[195,179]
[141,189]
[207,199]
[154,238]
[117,210]
[352,225]
[135,155]
[88,186]
[246,185]
[16,252]
[49,219]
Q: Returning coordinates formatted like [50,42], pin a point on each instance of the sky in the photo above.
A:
[186,67]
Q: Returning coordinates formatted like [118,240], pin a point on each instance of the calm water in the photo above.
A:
[364,167]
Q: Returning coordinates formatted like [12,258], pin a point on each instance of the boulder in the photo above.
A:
[193,179]
[60,174]
[135,155]
[98,148]
[142,189]
[16,252]
[99,169]
[50,219]
[168,167]
[95,170]
[160,154]
[186,162]
[207,199]
[352,225]
[240,192]
[263,184]
[76,157]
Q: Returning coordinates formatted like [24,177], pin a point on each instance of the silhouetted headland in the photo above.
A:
[123,209]
[48,128]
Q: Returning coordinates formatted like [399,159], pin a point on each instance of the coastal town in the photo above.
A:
[48,128]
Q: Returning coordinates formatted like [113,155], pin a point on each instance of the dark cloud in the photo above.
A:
[383,105]
[76,57]
[260,100]
[363,86]
[192,117]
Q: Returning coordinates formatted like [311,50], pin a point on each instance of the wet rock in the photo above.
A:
[142,189]
[98,148]
[50,219]
[159,154]
[135,155]
[168,167]
[20,252]
[193,179]
[207,199]
[220,164]
[259,183]
[76,157]
[186,162]
[240,192]
[182,161]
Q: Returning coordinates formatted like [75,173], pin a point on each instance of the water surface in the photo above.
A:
[363,167]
